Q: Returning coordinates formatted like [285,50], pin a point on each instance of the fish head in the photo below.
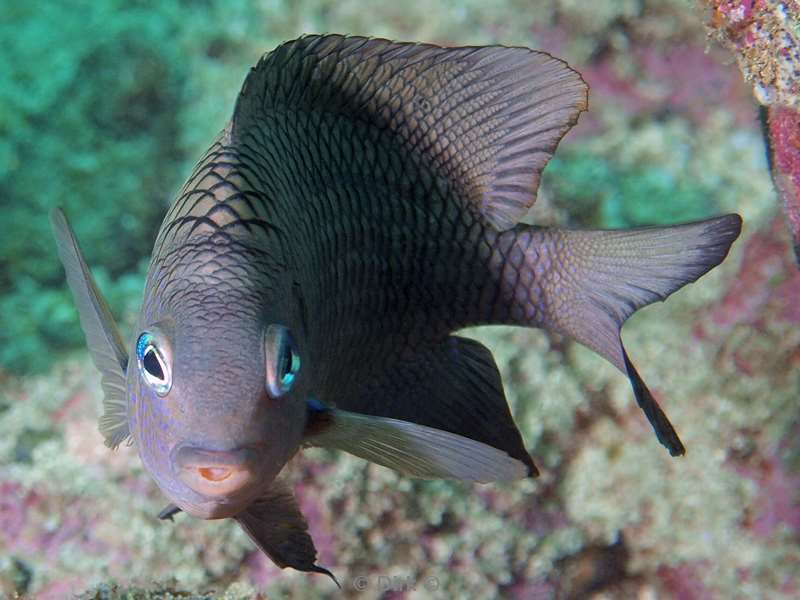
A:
[216,406]
[211,389]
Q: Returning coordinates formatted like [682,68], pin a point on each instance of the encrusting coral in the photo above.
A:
[765,38]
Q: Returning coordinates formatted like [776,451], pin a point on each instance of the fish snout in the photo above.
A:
[213,472]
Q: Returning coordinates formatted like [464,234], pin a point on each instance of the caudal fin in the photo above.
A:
[594,280]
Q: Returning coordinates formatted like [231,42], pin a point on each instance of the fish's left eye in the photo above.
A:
[152,365]
[283,361]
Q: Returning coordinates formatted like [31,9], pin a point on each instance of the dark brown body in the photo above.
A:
[376,272]
[364,204]
[375,220]
[372,272]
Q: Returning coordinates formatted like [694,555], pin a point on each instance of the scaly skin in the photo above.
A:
[382,269]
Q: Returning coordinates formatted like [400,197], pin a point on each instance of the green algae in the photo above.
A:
[92,113]
[616,202]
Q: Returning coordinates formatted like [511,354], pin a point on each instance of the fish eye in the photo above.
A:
[283,361]
[152,365]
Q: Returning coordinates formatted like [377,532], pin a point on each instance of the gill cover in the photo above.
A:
[102,335]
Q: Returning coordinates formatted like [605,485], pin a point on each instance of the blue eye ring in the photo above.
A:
[282,360]
[153,367]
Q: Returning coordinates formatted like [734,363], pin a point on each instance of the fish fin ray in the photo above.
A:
[605,276]
[276,525]
[415,450]
[483,120]
[454,386]
[102,336]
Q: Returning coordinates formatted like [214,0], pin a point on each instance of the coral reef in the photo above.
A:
[765,37]
[783,133]
[672,134]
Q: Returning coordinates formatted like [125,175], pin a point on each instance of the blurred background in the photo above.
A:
[104,107]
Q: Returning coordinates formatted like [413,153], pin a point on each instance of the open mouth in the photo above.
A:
[214,473]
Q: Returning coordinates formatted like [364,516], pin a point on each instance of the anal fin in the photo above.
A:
[453,386]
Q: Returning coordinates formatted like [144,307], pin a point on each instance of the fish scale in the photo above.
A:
[327,211]
[362,205]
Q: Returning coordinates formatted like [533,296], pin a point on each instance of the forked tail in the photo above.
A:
[589,282]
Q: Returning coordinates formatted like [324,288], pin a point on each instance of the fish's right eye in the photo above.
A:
[152,364]
[283,361]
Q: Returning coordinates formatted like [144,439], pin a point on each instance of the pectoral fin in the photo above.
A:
[411,449]
[168,512]
[276,525]
[102,336]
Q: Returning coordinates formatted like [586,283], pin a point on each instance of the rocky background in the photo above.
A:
[103,109]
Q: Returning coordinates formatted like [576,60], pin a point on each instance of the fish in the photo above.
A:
[363,204]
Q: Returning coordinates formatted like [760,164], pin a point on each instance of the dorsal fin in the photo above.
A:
[484,119]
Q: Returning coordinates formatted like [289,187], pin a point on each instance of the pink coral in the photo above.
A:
[684,78]
[13,512]
[784,134]
[765,278]
[759,310]
[777,501]
[683,582]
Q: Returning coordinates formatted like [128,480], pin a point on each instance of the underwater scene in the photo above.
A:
[693,112]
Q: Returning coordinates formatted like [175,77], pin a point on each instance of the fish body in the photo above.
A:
[362,205]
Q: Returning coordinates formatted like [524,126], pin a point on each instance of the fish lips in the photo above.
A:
[216,475]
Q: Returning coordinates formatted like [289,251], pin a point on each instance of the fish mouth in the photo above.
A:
[215,473]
